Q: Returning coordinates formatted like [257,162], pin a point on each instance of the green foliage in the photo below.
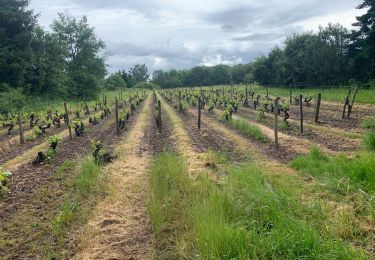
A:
[248,129]
[341,173]
[114,81]
[243,218]
[4,177]
[85,66]
[12,100]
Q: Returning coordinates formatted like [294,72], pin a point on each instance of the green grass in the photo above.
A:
[244,218]
[369,140]
[88,175]
[74,210]
[341,173]
[329,93]
[252,131]
[338,94]
[369,123]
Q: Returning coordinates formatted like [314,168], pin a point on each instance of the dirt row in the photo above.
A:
[12,148]
[25,200]
[316,134]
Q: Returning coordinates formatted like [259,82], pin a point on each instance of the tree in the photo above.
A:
[362,50]
[139,73]
[114,81]
[85,66]
[16,33]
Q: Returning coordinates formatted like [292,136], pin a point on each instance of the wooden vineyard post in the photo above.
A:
[276,128]
[301,113]
[68,121]
[179,101]
[116,116]
[246,97]
[353,99]
[159,116]
[346,103]
[22,140]
[290,94]
[267,90]
[317,109]
[199,113]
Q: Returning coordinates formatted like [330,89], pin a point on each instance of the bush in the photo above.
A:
[114,81]
[12,99]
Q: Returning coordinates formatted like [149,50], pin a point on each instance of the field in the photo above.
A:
[191,173]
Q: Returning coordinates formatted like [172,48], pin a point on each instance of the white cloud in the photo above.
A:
[168,34]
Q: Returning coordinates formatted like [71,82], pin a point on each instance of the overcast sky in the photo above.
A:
[184,33]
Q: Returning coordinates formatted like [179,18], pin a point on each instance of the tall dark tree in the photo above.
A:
[16,33]
[363,48]
[139,73]
[85,64]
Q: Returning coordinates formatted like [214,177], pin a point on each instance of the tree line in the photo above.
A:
[331,56]
[66,61]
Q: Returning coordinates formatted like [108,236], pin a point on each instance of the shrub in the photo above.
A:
[114,81]
[12,99]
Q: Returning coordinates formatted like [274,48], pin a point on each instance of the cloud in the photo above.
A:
[167,34]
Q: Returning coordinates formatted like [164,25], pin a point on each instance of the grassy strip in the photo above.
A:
[82,193]
[343,174]
[252,131]
[244,218]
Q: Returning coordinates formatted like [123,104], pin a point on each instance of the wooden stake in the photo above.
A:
[116,116]
[317,108]
[68,121]
[199,113]
[353,99]
[346,103]
[246,97]
[179,101]
[276,128]
[22,140]
[301,113]
[290,94]
[159,116]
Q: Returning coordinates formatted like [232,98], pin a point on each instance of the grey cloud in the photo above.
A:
[166,34]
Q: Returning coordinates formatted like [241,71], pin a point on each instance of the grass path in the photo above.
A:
[182,139]
[120,228]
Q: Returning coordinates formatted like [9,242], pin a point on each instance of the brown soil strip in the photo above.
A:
[27,178]
[30,212]
[12,152]
[120,228]
[330,138]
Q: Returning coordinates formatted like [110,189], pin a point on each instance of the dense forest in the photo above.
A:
[332,56]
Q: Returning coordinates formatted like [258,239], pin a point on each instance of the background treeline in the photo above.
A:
[67,61]
[331,56]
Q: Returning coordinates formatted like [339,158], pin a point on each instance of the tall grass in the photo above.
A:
[343,174]
[248,129]
[244,218]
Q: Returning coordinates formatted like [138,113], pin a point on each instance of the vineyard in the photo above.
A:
[224,172]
